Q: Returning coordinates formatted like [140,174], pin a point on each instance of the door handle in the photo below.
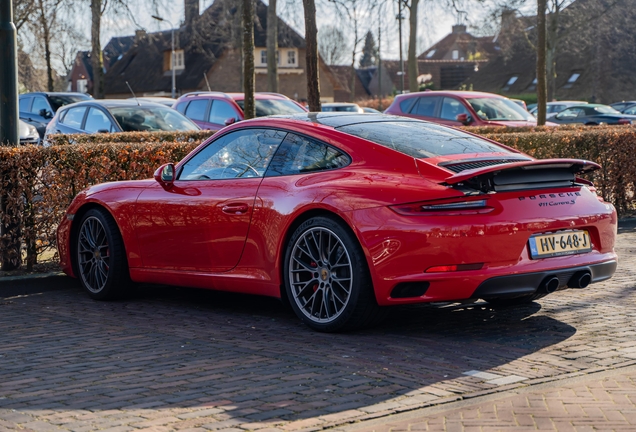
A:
[235,208]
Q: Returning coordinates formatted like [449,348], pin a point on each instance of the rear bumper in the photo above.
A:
[526,284]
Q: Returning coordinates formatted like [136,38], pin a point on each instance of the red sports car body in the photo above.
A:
[340,214]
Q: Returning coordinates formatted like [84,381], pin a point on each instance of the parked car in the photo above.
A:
[622,105]
[39,108]
[370,110]
[593,114]
[553,108]
[169,102]
[215,110]
[28,133]
[341,107]
[631,110]
[342,213]
[117,115]
[521,103]
[457,108]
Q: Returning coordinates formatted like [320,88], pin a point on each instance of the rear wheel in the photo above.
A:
[100,256]
[326,277]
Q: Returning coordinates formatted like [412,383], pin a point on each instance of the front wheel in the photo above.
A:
[326,277]
[100,257]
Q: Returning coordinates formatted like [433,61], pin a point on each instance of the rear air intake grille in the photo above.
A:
[458,167]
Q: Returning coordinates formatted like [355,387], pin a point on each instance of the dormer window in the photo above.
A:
[455,54]
[430,54]
[511,81]
[571,80]
[179,60]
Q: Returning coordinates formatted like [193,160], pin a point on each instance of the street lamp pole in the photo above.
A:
[172,56]
[400,18]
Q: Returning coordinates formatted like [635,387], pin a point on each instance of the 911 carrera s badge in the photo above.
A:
[558,244]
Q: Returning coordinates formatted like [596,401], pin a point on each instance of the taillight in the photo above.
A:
[454,268]
[443,208]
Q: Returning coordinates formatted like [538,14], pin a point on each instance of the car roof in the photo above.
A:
[334,104]
[337,119]
[116,103]
[56,94]
[460,93]
[234,96]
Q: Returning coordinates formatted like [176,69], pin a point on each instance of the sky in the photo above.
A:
[434,22]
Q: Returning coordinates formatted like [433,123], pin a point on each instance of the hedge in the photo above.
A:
[38,183]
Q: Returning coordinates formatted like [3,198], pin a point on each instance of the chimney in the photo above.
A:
[191,8]
[507,17]
[139,35]
[459,28]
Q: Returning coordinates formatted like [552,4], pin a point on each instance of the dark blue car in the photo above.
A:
[37,109]
[592,114]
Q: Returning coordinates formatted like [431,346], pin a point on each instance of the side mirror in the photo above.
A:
[230,121]
[165,175]
[46,113]
[464,119]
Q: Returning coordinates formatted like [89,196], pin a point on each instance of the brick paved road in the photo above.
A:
[173,359]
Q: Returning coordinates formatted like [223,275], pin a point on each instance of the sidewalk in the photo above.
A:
[602,401]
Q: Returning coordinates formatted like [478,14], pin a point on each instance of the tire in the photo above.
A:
[516,301]
[327,279]
[100,256]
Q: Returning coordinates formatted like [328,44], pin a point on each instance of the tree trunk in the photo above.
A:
[46,40]
[272,47]
[542,91]
[96,51]
[352,94]
[248,58]
[311,40]
[550,57]
[412,59]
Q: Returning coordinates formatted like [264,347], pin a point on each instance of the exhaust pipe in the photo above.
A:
[549,285]
[580,279]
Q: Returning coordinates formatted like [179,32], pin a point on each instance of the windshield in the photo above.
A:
[58,101]
[132,119]
[266,107]
[341,108]
[421,140]
[499,109]
[606,110]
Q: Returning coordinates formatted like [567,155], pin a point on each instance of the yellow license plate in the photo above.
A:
[561,243]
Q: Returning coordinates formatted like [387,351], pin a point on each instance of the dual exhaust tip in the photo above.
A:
[580,279]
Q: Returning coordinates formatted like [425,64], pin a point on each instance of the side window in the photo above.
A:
[74,117]
[239,154]
[451,108]
[298,155]
[407,104]
[197,109]
[426,106]
[630,111]
[221,111]
[181,107]
[25,104]
[568,113]
[39,103]
[97,121]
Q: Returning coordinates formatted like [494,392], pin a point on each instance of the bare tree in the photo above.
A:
[542,90]
[272,47]
[332,45]
[412,55]
[23,11]
[46,27]
[311,40]
[248,58]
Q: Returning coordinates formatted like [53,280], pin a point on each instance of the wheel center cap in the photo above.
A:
[324,274]
[96,254]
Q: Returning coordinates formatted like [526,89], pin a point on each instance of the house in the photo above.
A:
[208,57]
[595,57]
[80,79]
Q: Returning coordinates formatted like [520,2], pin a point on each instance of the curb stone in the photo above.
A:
[11,286]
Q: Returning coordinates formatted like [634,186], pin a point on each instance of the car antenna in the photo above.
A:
[206,81]
[133,93]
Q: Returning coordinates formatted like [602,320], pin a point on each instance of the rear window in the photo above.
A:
[421,140]
[267,107]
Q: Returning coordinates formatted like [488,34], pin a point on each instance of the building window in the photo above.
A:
[81,85]
[430,54]
[455,54]
[179,61]
[264,57]
[511,81]
[291,58]
[572,80]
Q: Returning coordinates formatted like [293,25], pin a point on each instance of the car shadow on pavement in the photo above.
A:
[250,358]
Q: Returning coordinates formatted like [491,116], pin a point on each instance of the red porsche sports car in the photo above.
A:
[342,214]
